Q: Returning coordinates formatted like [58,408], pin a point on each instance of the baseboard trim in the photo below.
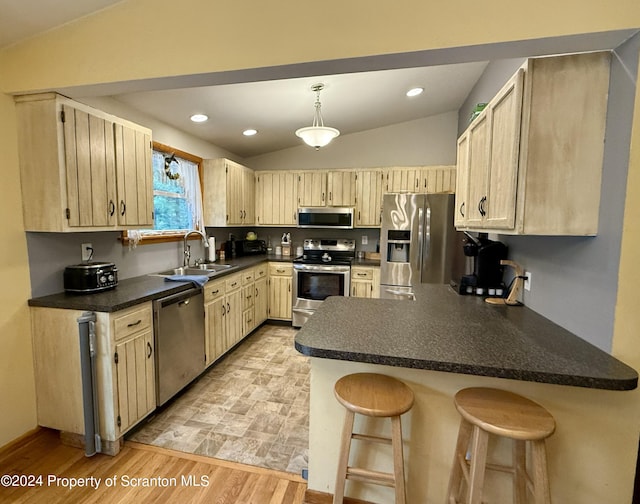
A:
[315,497]
[20,441]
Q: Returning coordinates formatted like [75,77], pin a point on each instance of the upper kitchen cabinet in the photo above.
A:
[82,169]
[312,188]
[421,179]
[531,162]
[369,190]
[276,198]
[341,188]
[229,193]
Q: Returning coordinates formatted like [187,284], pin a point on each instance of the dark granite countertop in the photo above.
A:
[136,290]
[443,331]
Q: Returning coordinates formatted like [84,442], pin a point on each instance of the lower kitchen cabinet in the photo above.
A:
[215,328]
[125,370]
[233,298]
[365,281]
[280,282]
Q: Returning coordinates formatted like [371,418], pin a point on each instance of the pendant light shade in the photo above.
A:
[317,135]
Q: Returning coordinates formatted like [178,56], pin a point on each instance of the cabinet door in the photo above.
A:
[234,177]
[462,181]
[341,188]
[261,301]
[248,196]
[215,329]
[504,112]
[437,179]
[277,198]
[90,169]
[135,376]
[403,180]
[369,189]
[479,135]
[134,176]
[280,297]
[312,188]
[362,289]
[234,317]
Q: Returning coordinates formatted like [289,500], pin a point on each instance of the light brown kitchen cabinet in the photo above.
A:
[276,198]
[312,188]
[369,190]
[280,296]
[402,179]
[228,193]
[248,301]
[533,158]
[437,179]
[215,326]
[341,188]
[82,169]
[125,370]
[365,281]
[261,303]
[233,317]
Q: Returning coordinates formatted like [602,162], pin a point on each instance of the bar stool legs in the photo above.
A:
[377,396]
[490,411]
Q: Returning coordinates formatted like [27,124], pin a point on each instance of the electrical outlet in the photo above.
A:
[365,239]
[87,251]
[527,281]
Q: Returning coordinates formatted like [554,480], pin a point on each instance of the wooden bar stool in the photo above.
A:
[373,395]
[487,411]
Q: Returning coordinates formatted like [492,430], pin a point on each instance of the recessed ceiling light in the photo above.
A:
[198,118]
[415,91]
[249,132]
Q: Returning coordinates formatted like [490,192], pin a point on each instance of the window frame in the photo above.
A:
[169,236]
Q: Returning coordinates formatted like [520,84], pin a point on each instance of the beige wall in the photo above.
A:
[17,392]
[135,40]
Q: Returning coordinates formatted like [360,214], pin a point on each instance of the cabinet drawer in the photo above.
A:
[233,282]
[132,321]
[280,269]
[247,276]
[260,271]
[213,290]
[362,273]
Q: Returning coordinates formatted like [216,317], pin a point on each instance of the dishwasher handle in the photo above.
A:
[182,298]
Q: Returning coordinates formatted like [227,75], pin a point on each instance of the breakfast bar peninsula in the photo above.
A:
[443,342]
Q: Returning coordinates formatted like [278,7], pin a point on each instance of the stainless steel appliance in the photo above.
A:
[90,277]
[179,341]
[326,217]
[323,270]
[418,242]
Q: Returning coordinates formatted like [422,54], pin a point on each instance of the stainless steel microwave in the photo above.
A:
[326,217]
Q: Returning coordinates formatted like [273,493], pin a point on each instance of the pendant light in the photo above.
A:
[318,135]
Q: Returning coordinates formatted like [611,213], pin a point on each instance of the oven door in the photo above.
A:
[312,284]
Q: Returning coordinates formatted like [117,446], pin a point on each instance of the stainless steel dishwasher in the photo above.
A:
[179,340]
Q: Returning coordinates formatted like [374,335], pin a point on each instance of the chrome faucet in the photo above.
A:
[187,248]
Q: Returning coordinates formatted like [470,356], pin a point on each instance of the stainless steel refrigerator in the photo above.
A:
[418,243]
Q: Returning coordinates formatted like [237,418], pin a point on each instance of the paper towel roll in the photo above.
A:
[211,253]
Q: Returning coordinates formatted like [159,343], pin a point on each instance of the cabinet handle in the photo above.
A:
[224,310]
[289,287]
[322,196]
[150,350]
[256,292]
[133,324]
[228,308]
[213,293]
[234,284]
[462,209]
[123,207]
[112,208]
[330,196]
[361,274]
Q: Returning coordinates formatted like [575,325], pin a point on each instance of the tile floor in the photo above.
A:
[252,407]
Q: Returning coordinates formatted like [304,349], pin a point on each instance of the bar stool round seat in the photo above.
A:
[486,411]
[374,395]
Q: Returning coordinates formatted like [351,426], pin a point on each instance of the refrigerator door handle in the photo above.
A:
[421,239]
[425,238]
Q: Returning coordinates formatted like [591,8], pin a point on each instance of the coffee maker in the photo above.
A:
[483,275]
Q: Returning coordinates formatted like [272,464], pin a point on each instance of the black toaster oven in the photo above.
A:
[90,277]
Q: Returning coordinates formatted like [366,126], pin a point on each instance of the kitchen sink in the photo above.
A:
[202,269]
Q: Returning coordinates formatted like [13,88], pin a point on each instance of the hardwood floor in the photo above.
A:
[144,474]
